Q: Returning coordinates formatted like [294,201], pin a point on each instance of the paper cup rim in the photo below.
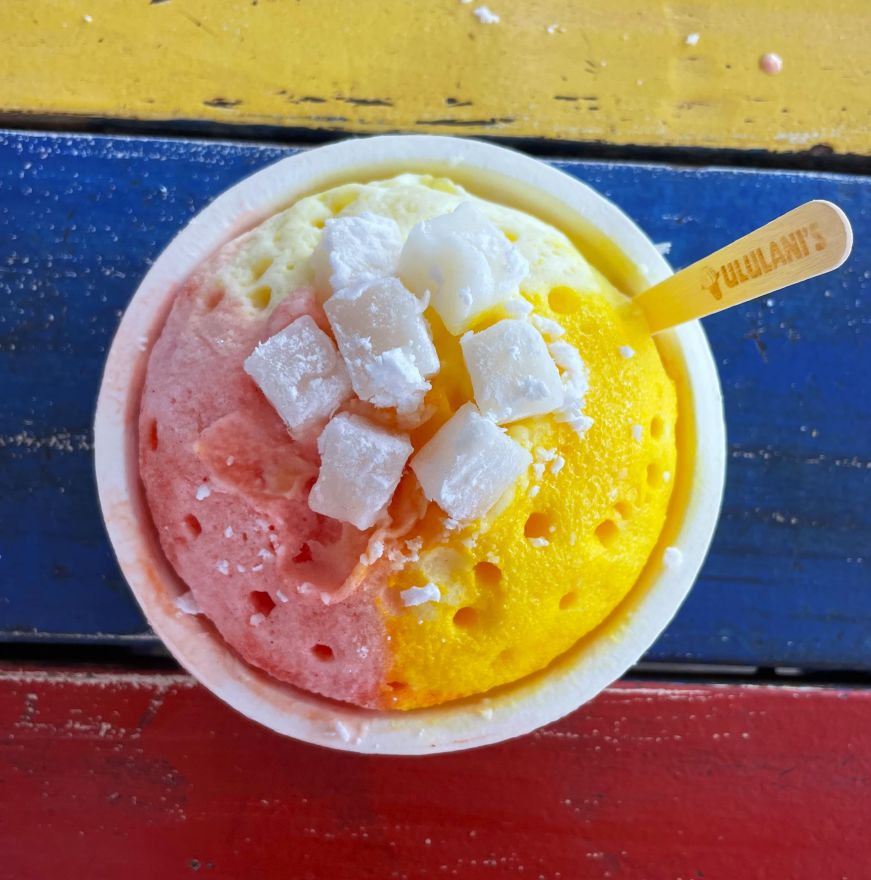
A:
[500,715]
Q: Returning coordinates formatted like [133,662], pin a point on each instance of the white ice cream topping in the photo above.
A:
[469,464]
[465,262]
[513,375]
[301,374]
[375,288]
[361,465]
[385,342]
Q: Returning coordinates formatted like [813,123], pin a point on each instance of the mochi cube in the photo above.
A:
[301,374]
[466,263]
[385,342]
[468,464]
[512,372]
[355,249]
[361,464]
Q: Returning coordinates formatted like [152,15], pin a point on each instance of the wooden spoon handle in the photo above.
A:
[809,240]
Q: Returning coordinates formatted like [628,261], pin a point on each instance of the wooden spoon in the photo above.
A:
[809,240]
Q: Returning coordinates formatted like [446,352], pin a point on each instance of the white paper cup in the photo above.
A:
[599,658]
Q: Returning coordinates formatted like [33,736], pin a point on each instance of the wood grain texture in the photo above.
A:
[611,70]
[121,775]
[786,580]
[807,241]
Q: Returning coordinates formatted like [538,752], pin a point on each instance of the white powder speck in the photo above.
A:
[87,19]
[517,306]
[257,568]
[230,460]
[548,327]
[187,603]
[412,554]
[532,389]
[256,619]
[555,29]
[363,652]
[240,568]
[538,542]
[374,551]
[557,465]
[223,566]
[142,343]
[666,476]
[203,492]
[265,554]
[691,39]
[451,524]
[637,433]
[343,731]
[279,595]
[575,385]
[533,491]
[420,595]
[485,15]
[542,454]
[672,558]
[627,351]
[538,470]
[228,532]
[413,547]
[664,247]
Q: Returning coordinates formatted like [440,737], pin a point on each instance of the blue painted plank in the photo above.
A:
[787,578]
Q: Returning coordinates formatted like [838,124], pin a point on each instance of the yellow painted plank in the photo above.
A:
[619,71]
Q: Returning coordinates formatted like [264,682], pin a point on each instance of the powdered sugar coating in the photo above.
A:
[576,383]
[420,595]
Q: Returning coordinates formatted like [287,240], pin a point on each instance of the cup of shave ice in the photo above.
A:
[387,456]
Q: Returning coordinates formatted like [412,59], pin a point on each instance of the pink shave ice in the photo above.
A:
[227,487]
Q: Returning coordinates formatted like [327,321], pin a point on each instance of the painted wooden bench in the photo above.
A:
[82,217]
[114,773]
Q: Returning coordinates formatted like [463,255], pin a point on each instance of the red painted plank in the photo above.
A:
[142,776]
